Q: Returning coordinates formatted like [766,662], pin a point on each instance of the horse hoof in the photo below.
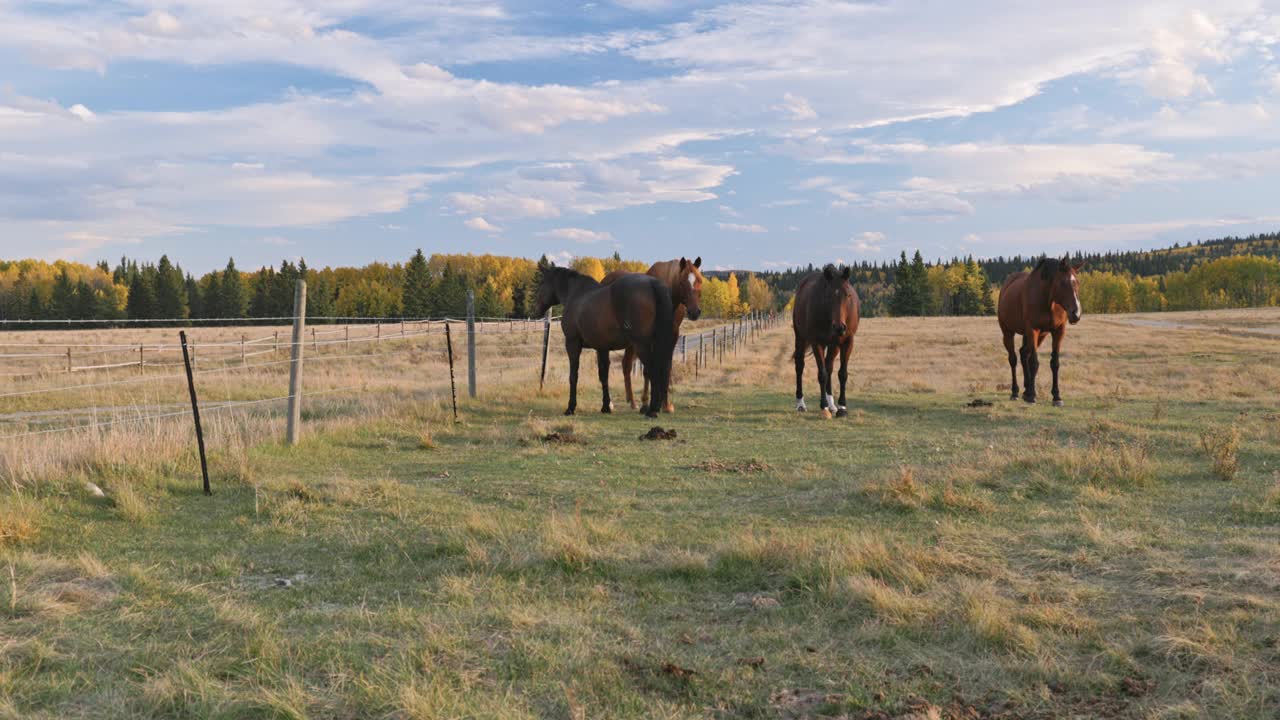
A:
[607,410]
[1013,396]
[569,411]
[634,406]
[1058,403]
[842,413]
[650,414]
[668,408]
[826,414]
[800,409]
[1028,400]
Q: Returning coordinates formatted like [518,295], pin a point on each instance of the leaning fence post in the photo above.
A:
[546,342]
[471,343]
[69,360]
[195,412]
[453,391]
[295,367]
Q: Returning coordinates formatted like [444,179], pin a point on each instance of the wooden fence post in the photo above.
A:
[195,412]
[471,343]
[142,363]
[69,360]
[295,368]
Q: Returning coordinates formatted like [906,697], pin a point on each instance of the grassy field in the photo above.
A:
[1119,557]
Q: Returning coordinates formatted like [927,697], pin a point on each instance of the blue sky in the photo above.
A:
[756,134]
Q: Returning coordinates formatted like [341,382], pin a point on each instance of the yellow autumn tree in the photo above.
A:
[589,266]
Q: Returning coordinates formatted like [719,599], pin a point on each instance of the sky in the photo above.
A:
[756,134]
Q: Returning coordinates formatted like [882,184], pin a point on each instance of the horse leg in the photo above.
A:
[668,406]
[602,363]
[1013,363]
[831,371]
[650,408]
[628,364]
[845,351]
[575,354]
[1030,366]
[1053,364]
[799,357]
[823,381]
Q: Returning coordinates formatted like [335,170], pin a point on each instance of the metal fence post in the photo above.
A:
[295,368]
[195,412]
[471,343]
[453,392]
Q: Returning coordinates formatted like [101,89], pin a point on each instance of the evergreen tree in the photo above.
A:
[234,302]
[64,297]
[171,301]
[142,296]
[86,302]
[195,301]
[910,292]
[417,287]
[449,294]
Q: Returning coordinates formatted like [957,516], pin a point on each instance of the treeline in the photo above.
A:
[1223,273]
[421,287]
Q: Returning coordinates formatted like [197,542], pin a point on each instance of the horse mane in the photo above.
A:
[1042,268]
[568,274]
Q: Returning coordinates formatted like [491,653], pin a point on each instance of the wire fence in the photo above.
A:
[143,385]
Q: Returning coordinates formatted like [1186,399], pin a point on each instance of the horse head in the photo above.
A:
[1063,283]
[688,287]
[836,295]
[547,296]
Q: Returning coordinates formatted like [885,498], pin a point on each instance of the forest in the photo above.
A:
[1222,273]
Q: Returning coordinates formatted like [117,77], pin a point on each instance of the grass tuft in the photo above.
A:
[1222,446]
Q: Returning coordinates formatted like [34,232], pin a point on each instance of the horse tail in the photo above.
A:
[664,341]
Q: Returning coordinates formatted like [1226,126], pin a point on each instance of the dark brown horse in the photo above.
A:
[1034,305]
[635,312]
[685,280]
[825,319]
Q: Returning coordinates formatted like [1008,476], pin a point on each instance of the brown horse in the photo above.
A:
[635,312]
[1034,305]
[685,280]
[825,319]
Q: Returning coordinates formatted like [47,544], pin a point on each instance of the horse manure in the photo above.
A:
[978,402]
[565,438]
[721,466]
[751,661]
[657,433]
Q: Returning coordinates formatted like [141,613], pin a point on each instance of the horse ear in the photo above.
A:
[698,262]
[1078,265]
[829,272]
[845,273]
[683,263]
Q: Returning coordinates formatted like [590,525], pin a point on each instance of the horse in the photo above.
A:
[634,312]
[1035,304]
[685,280]
[825,319]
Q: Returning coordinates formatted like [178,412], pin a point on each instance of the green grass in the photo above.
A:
[915,557]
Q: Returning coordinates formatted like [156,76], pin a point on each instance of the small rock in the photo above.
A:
[283,582]
[93,490]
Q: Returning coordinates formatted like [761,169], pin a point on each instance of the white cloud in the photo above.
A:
[1177,51]
[729,212]
[278,241]
[869,241]
[579,235]
[737,227]
[482,225]
[796,108]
